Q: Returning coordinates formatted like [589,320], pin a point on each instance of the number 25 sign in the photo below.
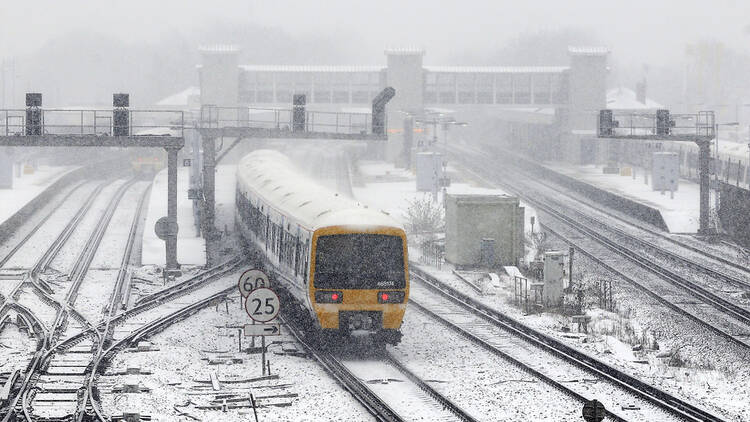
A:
[262,304]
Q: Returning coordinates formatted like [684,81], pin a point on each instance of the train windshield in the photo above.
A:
[359,261]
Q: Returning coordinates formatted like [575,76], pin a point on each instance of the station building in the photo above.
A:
[546,110]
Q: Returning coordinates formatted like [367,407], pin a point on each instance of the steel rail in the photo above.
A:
[79,270]
[437,396]
[113,305]
[38,225]
[665,274]
[692,264]
[658,397]
[358,389]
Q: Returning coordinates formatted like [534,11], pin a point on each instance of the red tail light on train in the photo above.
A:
[328,297]
[390,297]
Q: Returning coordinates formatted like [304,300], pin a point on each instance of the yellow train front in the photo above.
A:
[344,265]
[359,280]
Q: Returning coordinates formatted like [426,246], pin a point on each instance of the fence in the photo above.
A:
[282,119]
[628,124]
[104,122]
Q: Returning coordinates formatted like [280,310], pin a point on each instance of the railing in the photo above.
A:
[103,122]
[697,125]
[282,119]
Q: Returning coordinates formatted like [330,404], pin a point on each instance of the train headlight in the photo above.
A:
[328,297]
[390,297]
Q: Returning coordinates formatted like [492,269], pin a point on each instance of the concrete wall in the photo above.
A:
[471,218]
[588,87]
[734,213]
[219,76]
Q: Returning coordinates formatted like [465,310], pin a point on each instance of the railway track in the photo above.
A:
[64,197]
[369,382]
[65,364]
[545,357]
[725,318]
[35,299]
[646,237]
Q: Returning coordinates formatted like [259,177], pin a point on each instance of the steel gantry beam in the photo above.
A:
[119,127]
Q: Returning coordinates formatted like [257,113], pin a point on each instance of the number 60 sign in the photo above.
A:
[251,280]
[262,304]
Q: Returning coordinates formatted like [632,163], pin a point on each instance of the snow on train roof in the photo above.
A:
[272,176]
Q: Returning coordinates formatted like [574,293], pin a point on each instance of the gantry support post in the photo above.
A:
[704,156]
[171,240]
[209,187]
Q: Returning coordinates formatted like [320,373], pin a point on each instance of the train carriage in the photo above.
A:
[345,265]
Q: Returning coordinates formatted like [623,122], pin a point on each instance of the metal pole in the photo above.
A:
[209,177]
[263,354]
[171,241]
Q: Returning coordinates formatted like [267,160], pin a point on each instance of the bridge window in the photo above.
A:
[321,96]
[265,96]
[504,89]
[430,88]
[542,88]
[559,88]
[341,97]
[522,88]
[484,88]
[361,97]
[322,87]
[246,96]
[446,87]
[465,84]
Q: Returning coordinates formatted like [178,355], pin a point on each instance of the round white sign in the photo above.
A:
[251,280]
[262,305]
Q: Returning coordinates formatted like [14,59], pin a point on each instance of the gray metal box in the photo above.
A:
[429,167]
[554,277]
[471,220]
[665,171]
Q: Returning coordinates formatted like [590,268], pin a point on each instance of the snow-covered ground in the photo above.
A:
[187,356]
[723,392]
[27,187]
[680,213]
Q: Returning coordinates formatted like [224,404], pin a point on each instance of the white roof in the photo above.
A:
[309,68]
[181,98]
[272,176]
[404,51]
[219,48]
[588,50]
[625,99]
[496,69]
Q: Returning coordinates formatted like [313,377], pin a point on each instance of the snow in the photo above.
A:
[622,98]
[392,189]
[681,214]
[27,187]
[191,248]
[272,176]
[208,335]
[184,98]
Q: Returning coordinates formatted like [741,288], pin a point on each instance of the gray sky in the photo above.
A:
[651,31]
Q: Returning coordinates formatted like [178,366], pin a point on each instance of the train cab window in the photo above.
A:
[359,261]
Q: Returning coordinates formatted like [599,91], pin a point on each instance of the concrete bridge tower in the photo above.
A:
[219,75]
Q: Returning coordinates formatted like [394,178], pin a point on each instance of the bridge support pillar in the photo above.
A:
[209,187]
[171,241]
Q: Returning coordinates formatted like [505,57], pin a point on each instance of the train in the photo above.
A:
[344,265]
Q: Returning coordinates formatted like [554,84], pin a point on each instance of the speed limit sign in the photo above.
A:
[251,280]
[262,305]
